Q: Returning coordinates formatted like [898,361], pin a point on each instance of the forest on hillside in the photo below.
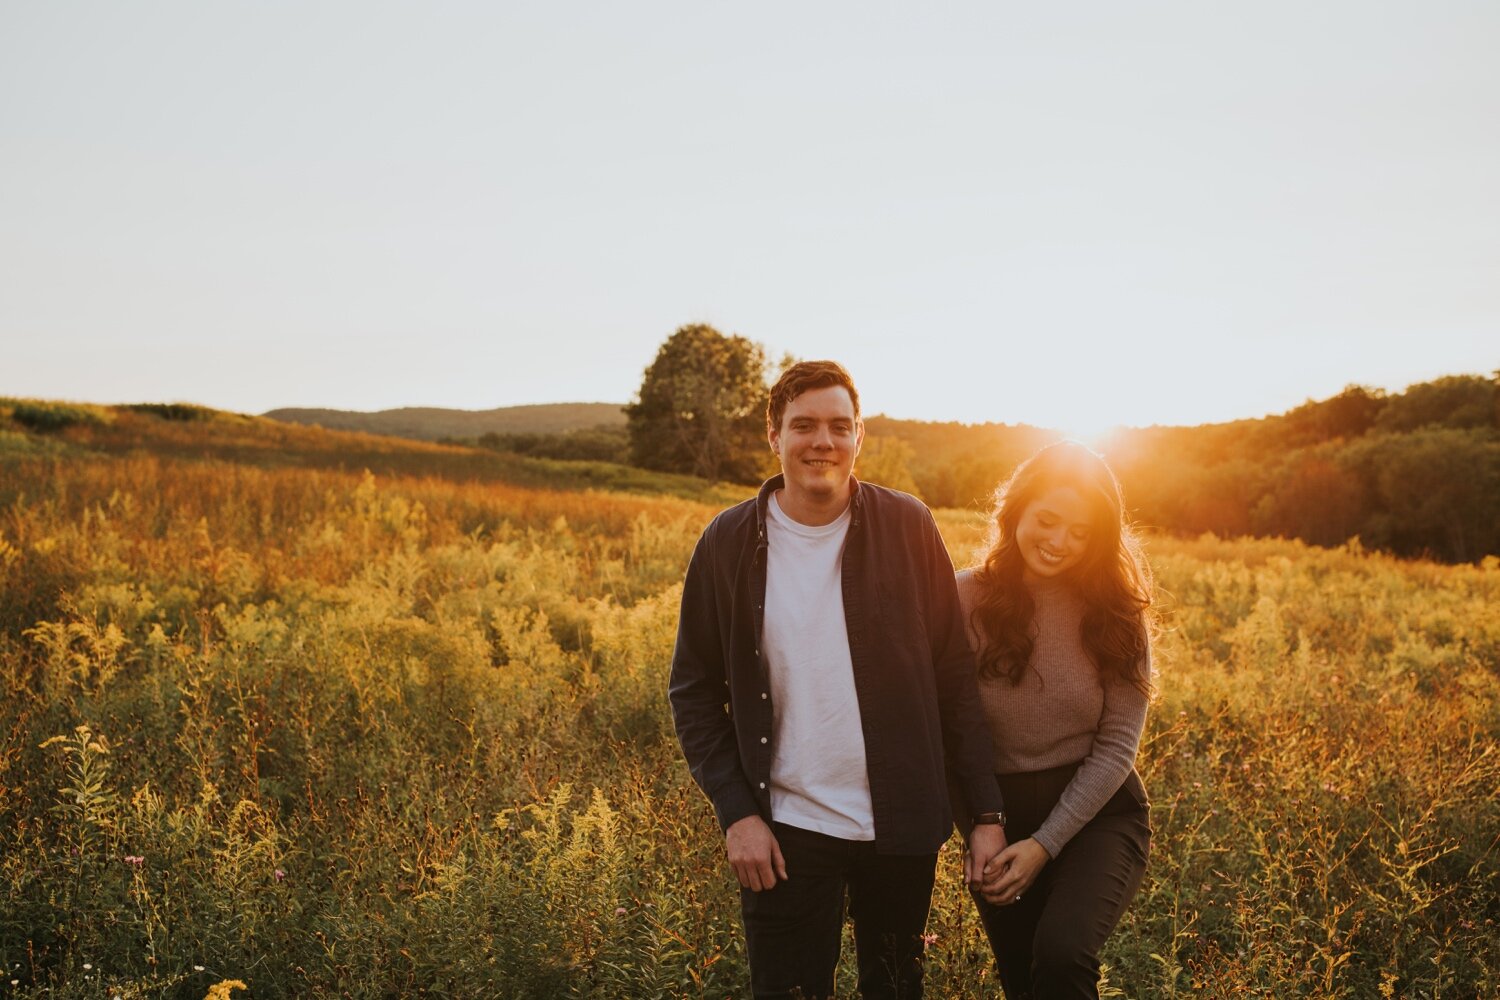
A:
[1413,473]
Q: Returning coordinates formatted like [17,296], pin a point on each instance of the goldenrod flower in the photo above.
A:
[221,990]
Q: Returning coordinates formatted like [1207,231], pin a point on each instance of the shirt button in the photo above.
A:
[763,784]
[763,696]
[763,739]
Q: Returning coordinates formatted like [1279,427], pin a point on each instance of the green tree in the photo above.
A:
[1347,415]
[887,461]
[1312,497]
[702,407]
[1452,401]
[1437,490]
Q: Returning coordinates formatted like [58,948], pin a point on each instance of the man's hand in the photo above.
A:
[754,853]
[985,841]
[1012,873]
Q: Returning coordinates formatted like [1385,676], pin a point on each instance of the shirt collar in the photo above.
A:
[776,482]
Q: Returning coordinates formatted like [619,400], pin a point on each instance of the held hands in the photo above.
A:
[1013,871]
[985,841]
[754,853]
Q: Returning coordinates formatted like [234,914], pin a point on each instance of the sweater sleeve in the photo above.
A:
[1106,767]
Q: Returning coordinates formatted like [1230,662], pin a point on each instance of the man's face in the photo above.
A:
[817,442]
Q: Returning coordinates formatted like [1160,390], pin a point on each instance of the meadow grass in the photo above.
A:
[331,734]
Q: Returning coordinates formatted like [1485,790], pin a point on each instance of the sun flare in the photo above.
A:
[1095,435]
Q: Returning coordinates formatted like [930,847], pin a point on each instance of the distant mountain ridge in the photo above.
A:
[433,423]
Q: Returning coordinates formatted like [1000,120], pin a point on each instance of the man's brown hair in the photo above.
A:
[801,377]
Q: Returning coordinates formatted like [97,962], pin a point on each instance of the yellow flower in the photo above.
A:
[221,990]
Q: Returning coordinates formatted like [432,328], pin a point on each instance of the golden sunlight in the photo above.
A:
[1094,434]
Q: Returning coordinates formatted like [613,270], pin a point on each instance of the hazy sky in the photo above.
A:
[1063,214]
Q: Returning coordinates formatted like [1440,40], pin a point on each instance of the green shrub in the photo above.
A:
[188,412]
[47,416]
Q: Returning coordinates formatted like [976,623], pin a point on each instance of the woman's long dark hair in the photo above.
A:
[1112,578]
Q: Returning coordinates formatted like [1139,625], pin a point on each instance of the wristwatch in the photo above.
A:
[989,819]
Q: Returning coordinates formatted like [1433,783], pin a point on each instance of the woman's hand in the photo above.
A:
[1011,872]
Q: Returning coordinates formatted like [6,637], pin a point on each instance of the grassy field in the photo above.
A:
[275,720]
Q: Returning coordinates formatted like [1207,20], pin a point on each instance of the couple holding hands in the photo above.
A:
[843,700]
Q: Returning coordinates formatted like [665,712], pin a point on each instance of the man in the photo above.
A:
[821,678]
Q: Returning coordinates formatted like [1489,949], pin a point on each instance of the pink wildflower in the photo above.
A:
[134,859]
[279,874]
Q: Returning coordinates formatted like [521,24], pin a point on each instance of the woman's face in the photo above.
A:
[1053,532]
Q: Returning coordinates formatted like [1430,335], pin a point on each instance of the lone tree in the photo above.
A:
[702,407]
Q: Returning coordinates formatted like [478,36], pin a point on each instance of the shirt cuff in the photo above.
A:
[733,803]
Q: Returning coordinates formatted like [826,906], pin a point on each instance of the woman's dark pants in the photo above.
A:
[1047,945]
[794,930]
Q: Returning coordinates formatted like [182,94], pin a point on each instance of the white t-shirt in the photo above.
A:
[819,779]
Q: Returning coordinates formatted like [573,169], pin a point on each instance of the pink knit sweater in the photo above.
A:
[1061,712]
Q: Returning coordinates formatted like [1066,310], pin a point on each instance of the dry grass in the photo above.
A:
[333,735]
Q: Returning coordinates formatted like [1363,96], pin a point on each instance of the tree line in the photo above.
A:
[1414,473]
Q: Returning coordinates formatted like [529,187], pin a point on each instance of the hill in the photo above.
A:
[1415,473]
[431,423]
[35,429]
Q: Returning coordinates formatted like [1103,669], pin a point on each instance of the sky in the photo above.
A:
[1070,215]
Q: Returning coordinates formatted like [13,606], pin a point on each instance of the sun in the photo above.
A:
[1095,434]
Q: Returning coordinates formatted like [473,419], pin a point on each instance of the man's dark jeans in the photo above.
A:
[794,930]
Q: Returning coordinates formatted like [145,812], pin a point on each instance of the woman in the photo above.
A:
[1060,614]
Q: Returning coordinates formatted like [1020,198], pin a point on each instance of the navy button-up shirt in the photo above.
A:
[913,669]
